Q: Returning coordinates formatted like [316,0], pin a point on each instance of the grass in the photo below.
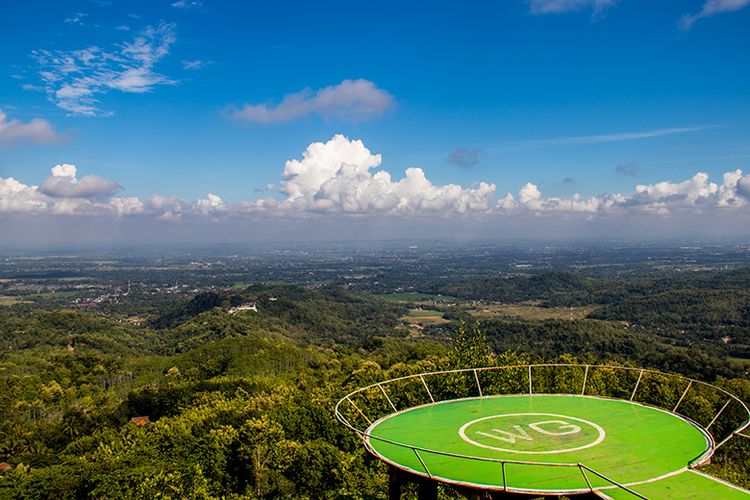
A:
[529,311]
[9,301]
[54,294]
[412,297]
[425,317]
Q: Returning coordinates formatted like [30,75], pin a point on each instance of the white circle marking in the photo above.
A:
[599,439]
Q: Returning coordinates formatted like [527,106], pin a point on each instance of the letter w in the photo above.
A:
[506,436]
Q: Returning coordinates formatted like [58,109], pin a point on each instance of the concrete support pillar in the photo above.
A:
[427,489]
[394,483]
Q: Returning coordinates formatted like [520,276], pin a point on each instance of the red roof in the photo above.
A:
[140,420]
[5,466]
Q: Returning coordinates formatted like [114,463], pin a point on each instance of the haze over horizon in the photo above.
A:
[192,121]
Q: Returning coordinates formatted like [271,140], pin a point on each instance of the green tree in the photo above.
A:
[469,348]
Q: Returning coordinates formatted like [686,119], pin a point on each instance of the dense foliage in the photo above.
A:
[239,403]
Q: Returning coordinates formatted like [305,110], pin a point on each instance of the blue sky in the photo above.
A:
[179,99]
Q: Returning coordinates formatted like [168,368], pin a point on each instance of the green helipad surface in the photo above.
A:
[686,486]
[630,443]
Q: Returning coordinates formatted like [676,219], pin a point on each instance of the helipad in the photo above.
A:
[635,444]
[552,443]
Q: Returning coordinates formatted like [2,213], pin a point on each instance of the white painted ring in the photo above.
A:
[599,439]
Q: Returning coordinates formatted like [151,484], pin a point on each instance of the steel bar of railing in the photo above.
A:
[386,397]
[422,462]
[637,383]
[530,390]
[505,481]
[690,383]
[585,378]
[426,388]
[621,486]
[720,412]
[360,411]
[476,377]
[586,478]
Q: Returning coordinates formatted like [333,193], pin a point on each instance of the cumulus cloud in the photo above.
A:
[695,195]
[35,131]
[343,178]
[130,205]
[210,205]
[16,197]
[465,157]
[75,79]
[559,6]
[352,100]
[711,8]
[743,187]
[63,183]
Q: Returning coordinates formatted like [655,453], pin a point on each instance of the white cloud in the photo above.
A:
[559,6]
[336,176]
[130,205]
[194,64]
[353,100]
[16,197]
[75,79]
[694,195]
[342,177]
[35,131]
[711,8]
[64,170]
[63,183]
[692,191]
[187,4]
[743,187]
[211,204]
[530,199]
[32,88]
[77,19]
[605,138]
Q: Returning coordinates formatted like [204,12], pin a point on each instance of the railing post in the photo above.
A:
[621,486]
[427,388]
[530,391]
[720,411]
[585,377]
[360,411]
[683,396]
[386,397]
[476,377]
[640,375]
[422,462]
[586,478]
[505,482]
[723,441]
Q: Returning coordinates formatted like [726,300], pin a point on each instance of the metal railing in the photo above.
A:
[588,385]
